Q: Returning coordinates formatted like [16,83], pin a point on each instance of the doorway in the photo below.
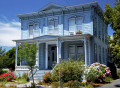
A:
[52,56]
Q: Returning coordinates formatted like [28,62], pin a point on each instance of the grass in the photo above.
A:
[18,81]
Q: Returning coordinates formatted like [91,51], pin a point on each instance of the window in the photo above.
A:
[56,26]
[36,26]
[100,54]
[72,24]
[53,26]
[80,52]
[72,51]
[79,23]
[75,23]
[95,52]
[95,28]
[103,56]
[30,30]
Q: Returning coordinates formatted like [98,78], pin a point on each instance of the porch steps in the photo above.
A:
[39,74]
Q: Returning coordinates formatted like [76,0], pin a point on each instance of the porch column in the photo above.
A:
[16,54]
[89,51]
[58,51]
[85,48]
[37,55]
[46,59]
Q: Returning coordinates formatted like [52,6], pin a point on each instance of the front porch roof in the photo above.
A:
[47,38]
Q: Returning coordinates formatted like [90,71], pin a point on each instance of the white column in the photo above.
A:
[16,54]
[89,51]
[46,59]
[85,48]
[37,55]
[58,51]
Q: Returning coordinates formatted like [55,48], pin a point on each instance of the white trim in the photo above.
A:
[85,47]
[89,51]
[16,53]
[46,58]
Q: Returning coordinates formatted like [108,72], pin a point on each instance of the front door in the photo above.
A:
[52,56]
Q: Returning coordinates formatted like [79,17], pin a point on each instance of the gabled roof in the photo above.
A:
[51,6]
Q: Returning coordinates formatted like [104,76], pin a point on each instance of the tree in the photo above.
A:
[11,57]
[112,17]
[2,52]
[2,59]
[28,52]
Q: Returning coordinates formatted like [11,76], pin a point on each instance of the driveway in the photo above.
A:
[114,84]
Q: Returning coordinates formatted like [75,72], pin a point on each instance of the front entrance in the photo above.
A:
[52,56]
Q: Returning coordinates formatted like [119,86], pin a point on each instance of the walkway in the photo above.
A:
[114,84]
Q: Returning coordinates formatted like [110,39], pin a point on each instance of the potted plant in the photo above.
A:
[79,32]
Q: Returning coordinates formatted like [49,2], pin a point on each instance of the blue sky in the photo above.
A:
[10,25]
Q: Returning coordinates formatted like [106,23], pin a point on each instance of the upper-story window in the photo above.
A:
[53,27]
[75,23]
[95,27]
[31,30]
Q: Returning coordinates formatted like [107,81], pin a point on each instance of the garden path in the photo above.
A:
[114,84]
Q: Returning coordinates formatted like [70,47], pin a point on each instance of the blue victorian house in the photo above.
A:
[64,32]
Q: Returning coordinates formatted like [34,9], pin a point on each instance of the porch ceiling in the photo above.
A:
[47,38]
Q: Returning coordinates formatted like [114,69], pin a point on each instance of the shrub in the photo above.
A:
[72,83]
[118,73]
[108,79]
[25,75]
[69,70]
[7,76]
[98,73]
[47,77]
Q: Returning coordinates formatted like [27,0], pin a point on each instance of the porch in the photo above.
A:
[54,48]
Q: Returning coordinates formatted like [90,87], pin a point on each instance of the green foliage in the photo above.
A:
[112,17]
[98,73]
[28,52]
[108,80]
[47,77]
[92,75]
[25,75]
[75,84]
[118,73]
[69,70]
[11,57]
[2,52]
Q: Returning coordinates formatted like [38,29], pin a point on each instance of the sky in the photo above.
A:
[10,23]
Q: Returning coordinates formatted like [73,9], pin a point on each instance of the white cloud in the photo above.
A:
[9,31]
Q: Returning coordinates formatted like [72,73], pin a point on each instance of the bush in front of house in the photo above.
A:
[7,76]
[69,70]
[98,73]
[47,77]
[118,73]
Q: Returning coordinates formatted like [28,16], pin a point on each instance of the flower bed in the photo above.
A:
[99,73]
[7,76]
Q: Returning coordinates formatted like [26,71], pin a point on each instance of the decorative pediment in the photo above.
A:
[51,6]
